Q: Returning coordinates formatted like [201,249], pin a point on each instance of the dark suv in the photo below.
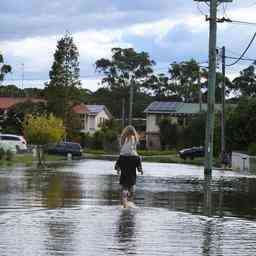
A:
[64,148]
[191,153]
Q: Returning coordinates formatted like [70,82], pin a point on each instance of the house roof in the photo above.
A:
[7,102]
[165,107]
[80,109]
[91,109]
[95,109]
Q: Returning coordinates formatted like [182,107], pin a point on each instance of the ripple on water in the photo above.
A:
[74,210]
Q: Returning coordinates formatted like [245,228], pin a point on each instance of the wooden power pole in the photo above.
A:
[223,92]
[209,133]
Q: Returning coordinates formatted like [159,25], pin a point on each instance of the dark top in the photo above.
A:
[128,166]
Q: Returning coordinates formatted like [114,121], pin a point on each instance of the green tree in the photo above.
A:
[160,86]
[241,125]
[126,66]
[40,130]
[229,87]
[168,133]
[4,68]
[245,84]
[184,79]
[16,114]
[61,91]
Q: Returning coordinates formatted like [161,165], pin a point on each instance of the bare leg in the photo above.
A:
[124,197]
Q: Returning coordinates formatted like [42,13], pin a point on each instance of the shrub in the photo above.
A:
[110,141]
[86,140]
[97,140]
[2,153]
[9,155]
[252,149]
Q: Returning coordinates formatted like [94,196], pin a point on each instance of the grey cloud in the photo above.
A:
[22,18]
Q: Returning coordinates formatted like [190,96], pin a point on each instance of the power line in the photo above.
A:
[236,58]
[244,52]
[243,22]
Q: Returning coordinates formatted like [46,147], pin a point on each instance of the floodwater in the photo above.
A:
[74,210]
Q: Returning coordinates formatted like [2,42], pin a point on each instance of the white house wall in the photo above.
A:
[91,123]
[100,116]
[151,123]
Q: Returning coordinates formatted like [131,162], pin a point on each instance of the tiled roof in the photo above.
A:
[80,109]
[7,102]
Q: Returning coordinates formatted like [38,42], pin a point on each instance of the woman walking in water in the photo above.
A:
[127,163]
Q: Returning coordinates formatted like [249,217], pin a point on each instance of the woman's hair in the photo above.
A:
[129,132]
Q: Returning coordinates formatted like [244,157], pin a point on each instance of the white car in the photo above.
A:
[13,141]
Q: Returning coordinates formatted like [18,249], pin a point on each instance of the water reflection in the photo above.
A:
[126,231]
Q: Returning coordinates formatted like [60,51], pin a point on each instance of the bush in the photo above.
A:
[2,153]
[86,140]
[110,141]
[9,155]
[97,140]
[252,149]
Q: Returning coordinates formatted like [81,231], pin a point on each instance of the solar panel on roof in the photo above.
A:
[162,106]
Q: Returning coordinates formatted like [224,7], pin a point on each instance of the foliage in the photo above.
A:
[246,82]
[184,79]
[110,141]
[125,67]
[43,129]
[252,149]
[241,125]
[62,90]
[4,68]
[2,153]
[9,155]
[168,133]
[110,124]
[15,116]
[194,133]
[219,81]
[160,85]
[97,140]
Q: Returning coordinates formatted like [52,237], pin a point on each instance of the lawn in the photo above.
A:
[28,159]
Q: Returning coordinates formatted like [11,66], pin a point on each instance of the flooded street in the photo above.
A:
[74,210]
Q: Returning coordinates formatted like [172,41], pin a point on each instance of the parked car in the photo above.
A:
[16,142]
[64,148]
[191,153]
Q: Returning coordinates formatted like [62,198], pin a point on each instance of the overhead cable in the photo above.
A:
[244,52]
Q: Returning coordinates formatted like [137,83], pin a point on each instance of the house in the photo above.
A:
[92,116]
[179,112]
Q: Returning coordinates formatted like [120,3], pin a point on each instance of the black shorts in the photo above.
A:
[128,166]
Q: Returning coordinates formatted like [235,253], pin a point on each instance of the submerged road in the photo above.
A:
[74,210]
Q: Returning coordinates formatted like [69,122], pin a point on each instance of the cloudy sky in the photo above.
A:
[169,30]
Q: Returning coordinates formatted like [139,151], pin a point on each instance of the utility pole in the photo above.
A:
[223,145]
[211,90]
[209,133]
[199,90]
[131,101]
